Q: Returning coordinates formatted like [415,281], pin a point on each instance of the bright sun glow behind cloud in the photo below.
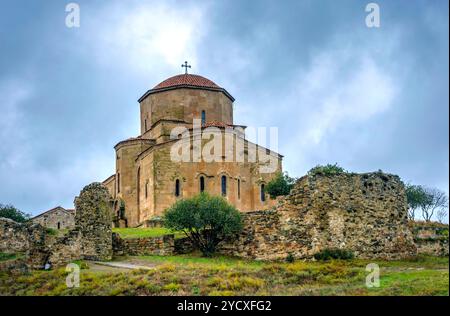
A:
[149,35]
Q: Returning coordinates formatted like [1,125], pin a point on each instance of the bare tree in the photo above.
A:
[441,215]
[435,200]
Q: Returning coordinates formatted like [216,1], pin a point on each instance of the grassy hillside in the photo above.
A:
[193,275]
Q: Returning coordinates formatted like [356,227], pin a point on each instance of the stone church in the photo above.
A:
[147,179]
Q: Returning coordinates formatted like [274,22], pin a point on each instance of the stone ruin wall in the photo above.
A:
[90,239]
[161,245]
[28,239]
[93,220]
[431,238]
[364,213]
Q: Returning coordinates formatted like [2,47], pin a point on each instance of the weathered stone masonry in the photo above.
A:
[93,220]
[91,239]
[364,213]
[161,245]
[431,238]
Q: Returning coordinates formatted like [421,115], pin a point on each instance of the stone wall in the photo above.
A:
[17,237]
[91,239]
[364,213]
[93,221]
[65,249]
[431,238]
[27,238]
[162,245]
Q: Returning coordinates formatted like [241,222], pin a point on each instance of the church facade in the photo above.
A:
[149,177]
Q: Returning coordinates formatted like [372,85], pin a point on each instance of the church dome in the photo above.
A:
[188,81]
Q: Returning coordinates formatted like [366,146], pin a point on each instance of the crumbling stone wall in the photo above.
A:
[27,238]
[65,249]
[161,245]
[364,213]
[16,237]
[91,239]
[431,238]
[93,221]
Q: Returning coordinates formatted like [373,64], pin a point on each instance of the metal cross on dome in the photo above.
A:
[186,66]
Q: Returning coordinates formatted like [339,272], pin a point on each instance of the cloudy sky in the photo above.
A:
[366,98]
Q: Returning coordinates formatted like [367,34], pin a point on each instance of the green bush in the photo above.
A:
[9,211]
[51,231]
[334,253]
[280,185]
[327,170]
[7,256]
[205,220]
[290,257]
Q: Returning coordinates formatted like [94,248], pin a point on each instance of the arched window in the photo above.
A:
[202,184]
[118,182]
[177,187]
[145,125]
[59,225]
[203,117]
[239,188]
[263,193]
[224,185]
[146,189]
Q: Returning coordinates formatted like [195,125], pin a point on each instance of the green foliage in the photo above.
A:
[327,170]
[51,231]
[9,211]
[128,233]
[205,219]
[280,185]
[442,232]
[7,256]
[428,200]
[415,195]
[333,253]
[290,258]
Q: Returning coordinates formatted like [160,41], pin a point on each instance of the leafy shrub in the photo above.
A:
[327,170]
[290,258]
[280,185]
[9,211]
[334,253]
[205,219]
[7,256]
[51,231]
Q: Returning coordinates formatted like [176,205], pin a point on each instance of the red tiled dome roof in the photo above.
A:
[187,80]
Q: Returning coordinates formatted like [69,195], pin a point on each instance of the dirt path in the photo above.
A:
[120,266]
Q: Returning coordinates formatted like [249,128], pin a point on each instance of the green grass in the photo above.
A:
[145,232]
[194,275]
[197,260]
[7,256]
